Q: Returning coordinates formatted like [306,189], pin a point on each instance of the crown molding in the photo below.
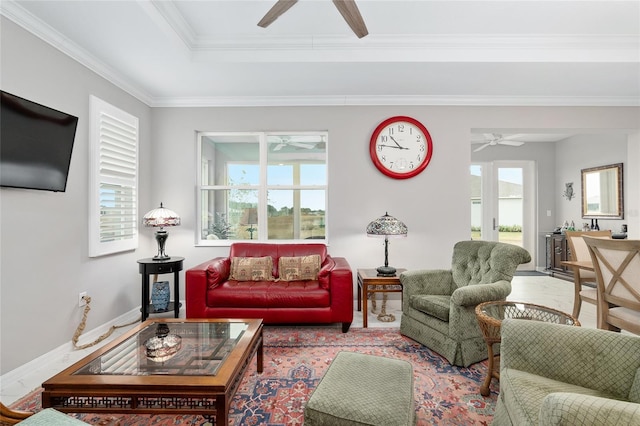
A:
[424,48]
[374,100]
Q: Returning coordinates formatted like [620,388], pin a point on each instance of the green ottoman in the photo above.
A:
[360,389]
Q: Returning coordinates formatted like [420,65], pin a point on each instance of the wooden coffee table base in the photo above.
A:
[154,394]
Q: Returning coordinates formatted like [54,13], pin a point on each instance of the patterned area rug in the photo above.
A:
[296,358]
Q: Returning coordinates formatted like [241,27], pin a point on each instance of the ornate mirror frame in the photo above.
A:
[602,192]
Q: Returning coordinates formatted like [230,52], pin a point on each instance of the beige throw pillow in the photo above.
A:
[251,269]
[299,268]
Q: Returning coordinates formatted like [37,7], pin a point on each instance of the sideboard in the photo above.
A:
[558,251]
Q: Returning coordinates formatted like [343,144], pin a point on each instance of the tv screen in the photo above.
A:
[35,144]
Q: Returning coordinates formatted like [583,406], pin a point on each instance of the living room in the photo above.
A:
[45,260]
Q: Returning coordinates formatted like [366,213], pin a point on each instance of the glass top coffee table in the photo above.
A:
[162,366]
[490,316]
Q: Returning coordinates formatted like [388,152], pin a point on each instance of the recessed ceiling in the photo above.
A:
[421,52]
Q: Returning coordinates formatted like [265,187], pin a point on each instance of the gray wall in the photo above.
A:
[44,243]
[581,152]
[44,258]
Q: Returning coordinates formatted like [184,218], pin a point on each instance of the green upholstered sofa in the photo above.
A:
[552,374]
[438,308]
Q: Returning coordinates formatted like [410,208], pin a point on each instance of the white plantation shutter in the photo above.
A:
[114,173]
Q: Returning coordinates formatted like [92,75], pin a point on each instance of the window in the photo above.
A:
[261,186]
[113,196]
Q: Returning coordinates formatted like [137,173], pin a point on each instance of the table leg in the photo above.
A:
[222,411]
[145,296]
[359,294]
[365,296]
[484,389]
[260,357]
[176,294]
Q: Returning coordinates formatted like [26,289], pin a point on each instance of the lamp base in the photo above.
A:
[161,238]
[386,271]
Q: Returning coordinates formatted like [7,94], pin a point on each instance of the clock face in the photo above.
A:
[400,147]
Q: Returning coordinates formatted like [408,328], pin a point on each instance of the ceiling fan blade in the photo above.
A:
[302,145]
[274,13]
[481,147]
[510,143]
[349,11]
[514,136]
[490,136]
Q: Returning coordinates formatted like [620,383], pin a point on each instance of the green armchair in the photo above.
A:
[552,374]
[438,308]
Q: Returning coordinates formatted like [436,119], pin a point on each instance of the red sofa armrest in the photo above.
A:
[341,285]
[199,279]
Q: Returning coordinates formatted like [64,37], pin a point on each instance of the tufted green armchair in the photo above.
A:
[438,305]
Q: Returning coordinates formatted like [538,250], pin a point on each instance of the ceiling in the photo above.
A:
[421,52]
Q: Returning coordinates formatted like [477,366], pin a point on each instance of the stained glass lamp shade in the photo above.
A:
[386,226]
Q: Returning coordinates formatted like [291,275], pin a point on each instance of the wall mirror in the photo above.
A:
[602,192]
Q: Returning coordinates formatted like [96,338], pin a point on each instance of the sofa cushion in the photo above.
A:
[299,268]
[524,392]
[434,305]
[269,294]
[251,268]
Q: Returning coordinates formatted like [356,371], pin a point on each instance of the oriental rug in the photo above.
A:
[296,358]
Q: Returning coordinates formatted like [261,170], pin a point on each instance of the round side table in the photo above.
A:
[490,316]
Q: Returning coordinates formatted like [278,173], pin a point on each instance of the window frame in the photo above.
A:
[262,188]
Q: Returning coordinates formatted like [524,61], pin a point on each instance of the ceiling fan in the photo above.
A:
[299,142]
[493,139]
[347,8]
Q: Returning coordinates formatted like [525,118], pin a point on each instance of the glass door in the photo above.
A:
[503,204]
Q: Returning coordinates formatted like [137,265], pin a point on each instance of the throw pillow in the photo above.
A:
[299,268]
[251,268]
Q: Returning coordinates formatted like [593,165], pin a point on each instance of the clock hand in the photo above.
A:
[393,146]
[396,142]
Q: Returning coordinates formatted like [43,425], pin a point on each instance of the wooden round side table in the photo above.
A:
[490,316]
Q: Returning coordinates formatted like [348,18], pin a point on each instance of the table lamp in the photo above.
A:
[386,226]
[159,218]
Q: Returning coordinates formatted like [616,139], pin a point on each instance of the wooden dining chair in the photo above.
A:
[617,267]
[584,282]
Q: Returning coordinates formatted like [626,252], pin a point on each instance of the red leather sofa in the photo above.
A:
[329,299]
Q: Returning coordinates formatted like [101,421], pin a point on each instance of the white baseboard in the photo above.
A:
[61,352]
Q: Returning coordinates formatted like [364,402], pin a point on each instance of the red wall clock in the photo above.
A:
[401,147]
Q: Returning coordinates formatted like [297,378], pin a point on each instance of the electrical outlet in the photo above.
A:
[81,301]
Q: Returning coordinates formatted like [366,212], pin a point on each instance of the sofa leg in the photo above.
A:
[345,326]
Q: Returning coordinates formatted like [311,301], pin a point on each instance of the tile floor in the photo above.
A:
[541,290]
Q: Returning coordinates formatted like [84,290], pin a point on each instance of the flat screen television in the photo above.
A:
[35,144]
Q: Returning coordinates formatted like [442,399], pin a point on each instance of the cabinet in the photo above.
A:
[558,251]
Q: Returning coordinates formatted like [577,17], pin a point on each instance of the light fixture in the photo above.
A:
[159,218]
[386,226]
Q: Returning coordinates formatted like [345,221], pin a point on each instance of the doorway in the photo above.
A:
[503,204]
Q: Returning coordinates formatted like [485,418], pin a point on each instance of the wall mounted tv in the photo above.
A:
[35,144]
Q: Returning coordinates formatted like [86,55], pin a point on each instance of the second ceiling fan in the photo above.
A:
[348,9]
[493,139]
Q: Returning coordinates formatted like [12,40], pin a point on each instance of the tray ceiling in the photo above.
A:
[189,53]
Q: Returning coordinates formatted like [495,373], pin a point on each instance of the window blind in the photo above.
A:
[114,197]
